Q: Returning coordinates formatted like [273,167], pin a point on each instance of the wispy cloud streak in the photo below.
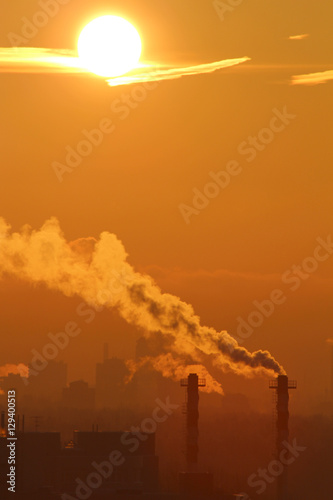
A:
[41,60]
[153,73]
[298,37]
[312,78]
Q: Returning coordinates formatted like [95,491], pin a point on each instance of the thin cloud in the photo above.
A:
[41,60]
[312,78]
[298,37]
[154,73]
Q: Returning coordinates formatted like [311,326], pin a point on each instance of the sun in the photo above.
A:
[109,46]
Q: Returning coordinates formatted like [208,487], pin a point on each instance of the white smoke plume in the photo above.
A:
[98,272]
[20,369]
[176,369]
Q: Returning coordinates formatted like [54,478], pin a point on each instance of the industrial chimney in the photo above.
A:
[193,484]
[330,343]
[282,386]
[192,418]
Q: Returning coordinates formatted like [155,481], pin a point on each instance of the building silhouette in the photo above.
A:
[78,395]
[110,383]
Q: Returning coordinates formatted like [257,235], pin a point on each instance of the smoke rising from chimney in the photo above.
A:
[176,369]
[98,272]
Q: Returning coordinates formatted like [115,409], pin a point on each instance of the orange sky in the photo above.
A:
[232,252]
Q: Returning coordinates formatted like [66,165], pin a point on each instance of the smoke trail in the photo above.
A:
[98,272]
[176,369]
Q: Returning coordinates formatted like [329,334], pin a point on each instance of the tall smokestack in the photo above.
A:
[282,386]
[192,418]
[332,373]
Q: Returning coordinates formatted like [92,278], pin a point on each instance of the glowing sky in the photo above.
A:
[153,148]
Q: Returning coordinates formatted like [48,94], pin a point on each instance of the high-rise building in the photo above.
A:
[110,383]
[79,396]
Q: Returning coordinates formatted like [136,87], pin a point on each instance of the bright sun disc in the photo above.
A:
[109,46]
